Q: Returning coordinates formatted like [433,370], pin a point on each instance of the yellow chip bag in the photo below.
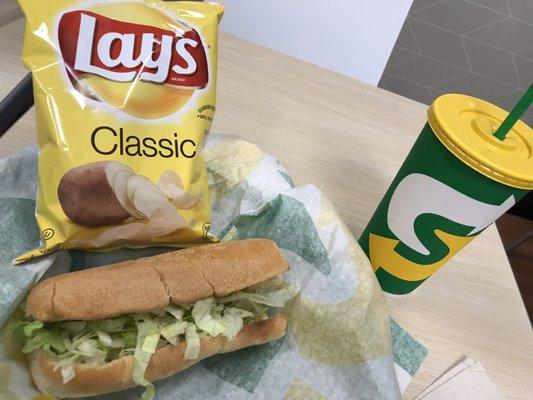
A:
[124,95]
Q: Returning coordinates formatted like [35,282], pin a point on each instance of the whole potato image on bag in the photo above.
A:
[87,197]
[133,88]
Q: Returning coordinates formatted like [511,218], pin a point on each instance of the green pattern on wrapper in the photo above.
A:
[275,221]
[287,178]
[244,368]
[408,353]
[19,231]
[430,160]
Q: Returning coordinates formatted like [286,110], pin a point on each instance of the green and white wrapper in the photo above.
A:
[339,343]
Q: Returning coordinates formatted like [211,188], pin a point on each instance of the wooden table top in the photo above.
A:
[349,139]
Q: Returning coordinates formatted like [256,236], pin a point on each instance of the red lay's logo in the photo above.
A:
[121,51]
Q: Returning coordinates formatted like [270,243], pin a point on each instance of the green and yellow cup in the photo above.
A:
[457,180]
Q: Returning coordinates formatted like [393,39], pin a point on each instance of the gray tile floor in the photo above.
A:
[483,48]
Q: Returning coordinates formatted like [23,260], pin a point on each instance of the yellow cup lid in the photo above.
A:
[465,125]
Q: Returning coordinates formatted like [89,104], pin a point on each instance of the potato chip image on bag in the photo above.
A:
[124,96]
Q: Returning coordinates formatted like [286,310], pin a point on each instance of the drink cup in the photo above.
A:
[457,179]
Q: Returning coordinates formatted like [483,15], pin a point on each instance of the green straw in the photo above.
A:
[515,114]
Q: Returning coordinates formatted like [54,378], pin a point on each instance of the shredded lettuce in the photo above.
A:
[98,342]
[276,298]
[30,327]
[73,326]
[108,325]
[193,342]
[108,341]
[68,372]
[129,338]
[149,392]
[176,311]
[171,333]
[207,318]
[147,339]
[48,340]
[234,321]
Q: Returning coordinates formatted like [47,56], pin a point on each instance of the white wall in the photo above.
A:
[352,37]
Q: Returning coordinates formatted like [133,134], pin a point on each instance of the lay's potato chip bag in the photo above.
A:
[125,95]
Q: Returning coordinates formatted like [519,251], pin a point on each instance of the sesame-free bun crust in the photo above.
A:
[168,360]
[145,284]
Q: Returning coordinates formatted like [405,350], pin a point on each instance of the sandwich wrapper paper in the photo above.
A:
[465,381]
[341,342]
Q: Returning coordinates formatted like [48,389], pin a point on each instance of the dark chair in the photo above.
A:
[524,208]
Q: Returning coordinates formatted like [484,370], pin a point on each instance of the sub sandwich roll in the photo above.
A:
[110,328]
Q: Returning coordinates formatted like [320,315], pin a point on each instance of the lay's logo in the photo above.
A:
[120,51]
